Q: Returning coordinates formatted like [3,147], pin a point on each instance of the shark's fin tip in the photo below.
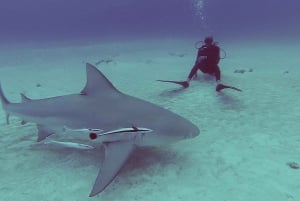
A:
[4,100]
[7,118]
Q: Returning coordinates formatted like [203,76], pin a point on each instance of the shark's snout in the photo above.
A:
[193,131]
[176,127]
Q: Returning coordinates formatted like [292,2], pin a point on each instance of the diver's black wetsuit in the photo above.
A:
[207,61]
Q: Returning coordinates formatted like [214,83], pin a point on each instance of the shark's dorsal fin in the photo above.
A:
[24,98]
[116,154]
[96,82]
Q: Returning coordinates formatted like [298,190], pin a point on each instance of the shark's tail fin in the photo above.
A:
[4,102]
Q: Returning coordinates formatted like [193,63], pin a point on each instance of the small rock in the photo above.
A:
[107,61]
[240,71]
[293,165]
[149,61]
[38,85]
[177,55]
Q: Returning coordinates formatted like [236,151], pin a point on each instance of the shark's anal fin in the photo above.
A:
[43,132]
[116,154]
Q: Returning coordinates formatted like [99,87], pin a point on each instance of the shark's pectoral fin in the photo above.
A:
[116,154]
[43,132]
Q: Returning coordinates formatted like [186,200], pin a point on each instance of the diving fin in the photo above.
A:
[220,87]
[184,84]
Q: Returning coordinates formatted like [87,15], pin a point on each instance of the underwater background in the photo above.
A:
[249,143]
[32,20]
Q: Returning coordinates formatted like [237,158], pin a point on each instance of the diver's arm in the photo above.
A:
[218,58]
[200,55]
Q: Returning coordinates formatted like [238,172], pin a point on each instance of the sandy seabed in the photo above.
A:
[247,140]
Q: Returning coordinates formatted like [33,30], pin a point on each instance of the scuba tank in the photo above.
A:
[198,45]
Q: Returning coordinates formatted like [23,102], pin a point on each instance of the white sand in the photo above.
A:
[246,138]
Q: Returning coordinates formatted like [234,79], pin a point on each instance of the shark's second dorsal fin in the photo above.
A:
[96,82]
[24,98]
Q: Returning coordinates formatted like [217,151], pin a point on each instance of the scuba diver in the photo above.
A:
[207,61]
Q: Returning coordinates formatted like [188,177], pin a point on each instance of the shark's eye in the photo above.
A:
[93,136]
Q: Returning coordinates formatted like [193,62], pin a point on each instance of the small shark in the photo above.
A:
[102,114]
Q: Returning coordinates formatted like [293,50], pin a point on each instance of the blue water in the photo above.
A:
[57,20]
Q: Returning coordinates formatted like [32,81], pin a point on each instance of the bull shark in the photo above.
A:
[101,114]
